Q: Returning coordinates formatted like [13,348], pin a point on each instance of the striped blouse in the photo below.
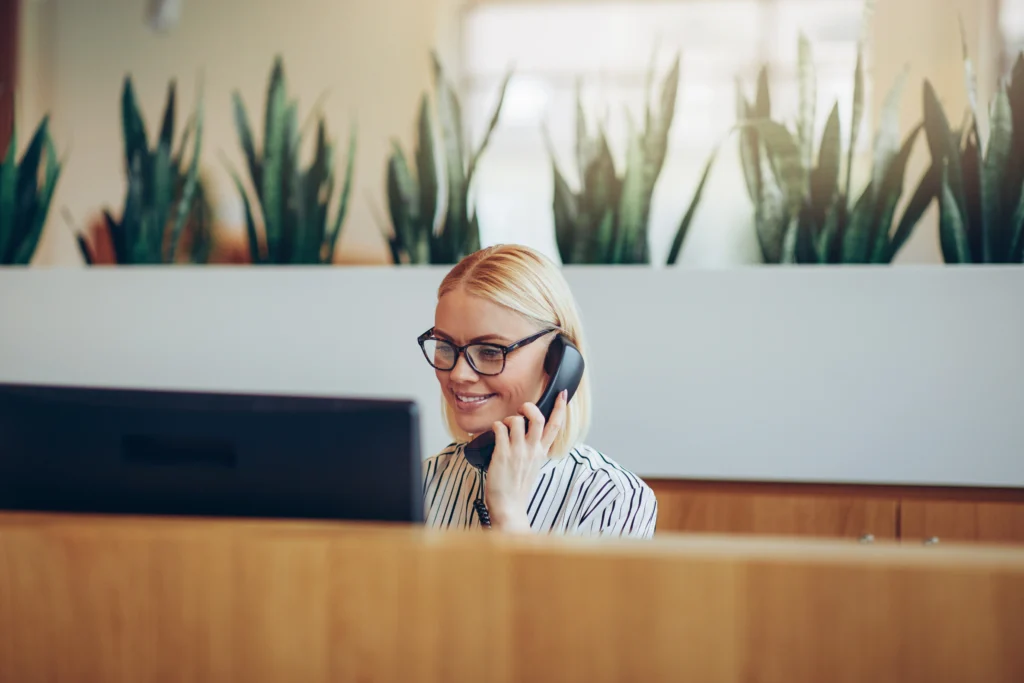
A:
[582,493]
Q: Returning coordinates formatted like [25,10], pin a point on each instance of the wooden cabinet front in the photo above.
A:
[962,520]
[769,509]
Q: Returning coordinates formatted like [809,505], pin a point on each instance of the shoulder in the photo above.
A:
[588,459]
[449,457]
[629,505]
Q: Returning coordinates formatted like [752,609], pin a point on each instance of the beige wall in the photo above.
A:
[372,57]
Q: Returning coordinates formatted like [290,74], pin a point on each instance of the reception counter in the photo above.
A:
[138,600]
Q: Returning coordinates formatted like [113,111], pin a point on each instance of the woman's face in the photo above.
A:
[478,401]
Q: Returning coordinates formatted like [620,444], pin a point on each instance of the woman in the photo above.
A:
[542,478]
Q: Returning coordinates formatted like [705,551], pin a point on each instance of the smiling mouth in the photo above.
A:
[471,401]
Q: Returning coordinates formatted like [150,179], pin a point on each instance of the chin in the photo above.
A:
[474,421]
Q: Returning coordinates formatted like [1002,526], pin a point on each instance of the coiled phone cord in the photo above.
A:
[481,506]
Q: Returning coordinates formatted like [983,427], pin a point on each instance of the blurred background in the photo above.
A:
[368,63]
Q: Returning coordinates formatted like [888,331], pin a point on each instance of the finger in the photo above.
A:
[516,428]
[556,421]
[501,441]
[535,431]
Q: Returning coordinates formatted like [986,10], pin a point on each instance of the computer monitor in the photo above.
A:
[160,452]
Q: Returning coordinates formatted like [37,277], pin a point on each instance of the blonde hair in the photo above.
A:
[528,283]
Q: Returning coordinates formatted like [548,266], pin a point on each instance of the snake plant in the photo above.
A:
[24,204]
[804,210]
[294,201]
[418,234]
[606,221]
[161,192]
[981,205]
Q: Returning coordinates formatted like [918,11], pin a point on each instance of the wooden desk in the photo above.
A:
[92,600]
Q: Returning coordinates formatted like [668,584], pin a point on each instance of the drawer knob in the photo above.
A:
[931,540]
[867,538]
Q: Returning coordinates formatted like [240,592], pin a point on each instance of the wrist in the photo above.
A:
[510,520]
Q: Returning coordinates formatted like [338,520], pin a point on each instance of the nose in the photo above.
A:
[463,371]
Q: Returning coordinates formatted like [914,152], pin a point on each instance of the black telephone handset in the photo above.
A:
[564,364]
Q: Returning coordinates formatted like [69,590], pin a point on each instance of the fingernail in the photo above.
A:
[565,394]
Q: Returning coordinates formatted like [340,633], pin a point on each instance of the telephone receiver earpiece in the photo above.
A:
[564,364]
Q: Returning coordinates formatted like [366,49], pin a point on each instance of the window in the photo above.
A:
[610,46]
[1011,29]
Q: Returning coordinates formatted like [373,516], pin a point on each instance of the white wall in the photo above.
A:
[883,375]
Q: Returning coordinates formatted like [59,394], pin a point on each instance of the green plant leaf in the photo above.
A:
[426,167]
[600,194]
[945,150]
[118,239]
[248,146]
[346,192]
[403,201]
[450,118]
[887,196]
[784,156]
[631,201]
[183,144]
[603,238]
[857,235]
[1015,253]
[808,100]
[995,236]
[828,245]
[26,190]
[856,115]
[789,241]
[971,197]
[52,175]
[188,192]
[762,101]
[275,144]
[770,216]
[132,217]
[952,234]
[970,79]
[563,205]
[133,128]
[85,250]
[587,147]
[748,145]
[927,189]
[684,226]
[161,182]
[807,236]
[887,139]
[8,186]
[659,125]
[317,188]
[1014,177]
[167,127]
[825,177]
[252,237]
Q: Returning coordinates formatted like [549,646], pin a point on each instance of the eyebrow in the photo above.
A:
[492,338]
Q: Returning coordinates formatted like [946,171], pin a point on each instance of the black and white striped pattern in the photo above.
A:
[582,493]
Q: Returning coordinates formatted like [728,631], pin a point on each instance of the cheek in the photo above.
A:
[518,386]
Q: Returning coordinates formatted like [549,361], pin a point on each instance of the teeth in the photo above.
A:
[471,399]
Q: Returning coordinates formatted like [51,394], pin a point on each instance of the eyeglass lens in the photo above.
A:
[485,358]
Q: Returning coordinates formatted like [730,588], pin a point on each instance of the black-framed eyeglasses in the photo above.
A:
[485,358]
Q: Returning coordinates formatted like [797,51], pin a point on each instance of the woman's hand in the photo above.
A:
[519,454]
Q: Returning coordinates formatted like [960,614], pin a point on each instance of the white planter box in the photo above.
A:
[867,375]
